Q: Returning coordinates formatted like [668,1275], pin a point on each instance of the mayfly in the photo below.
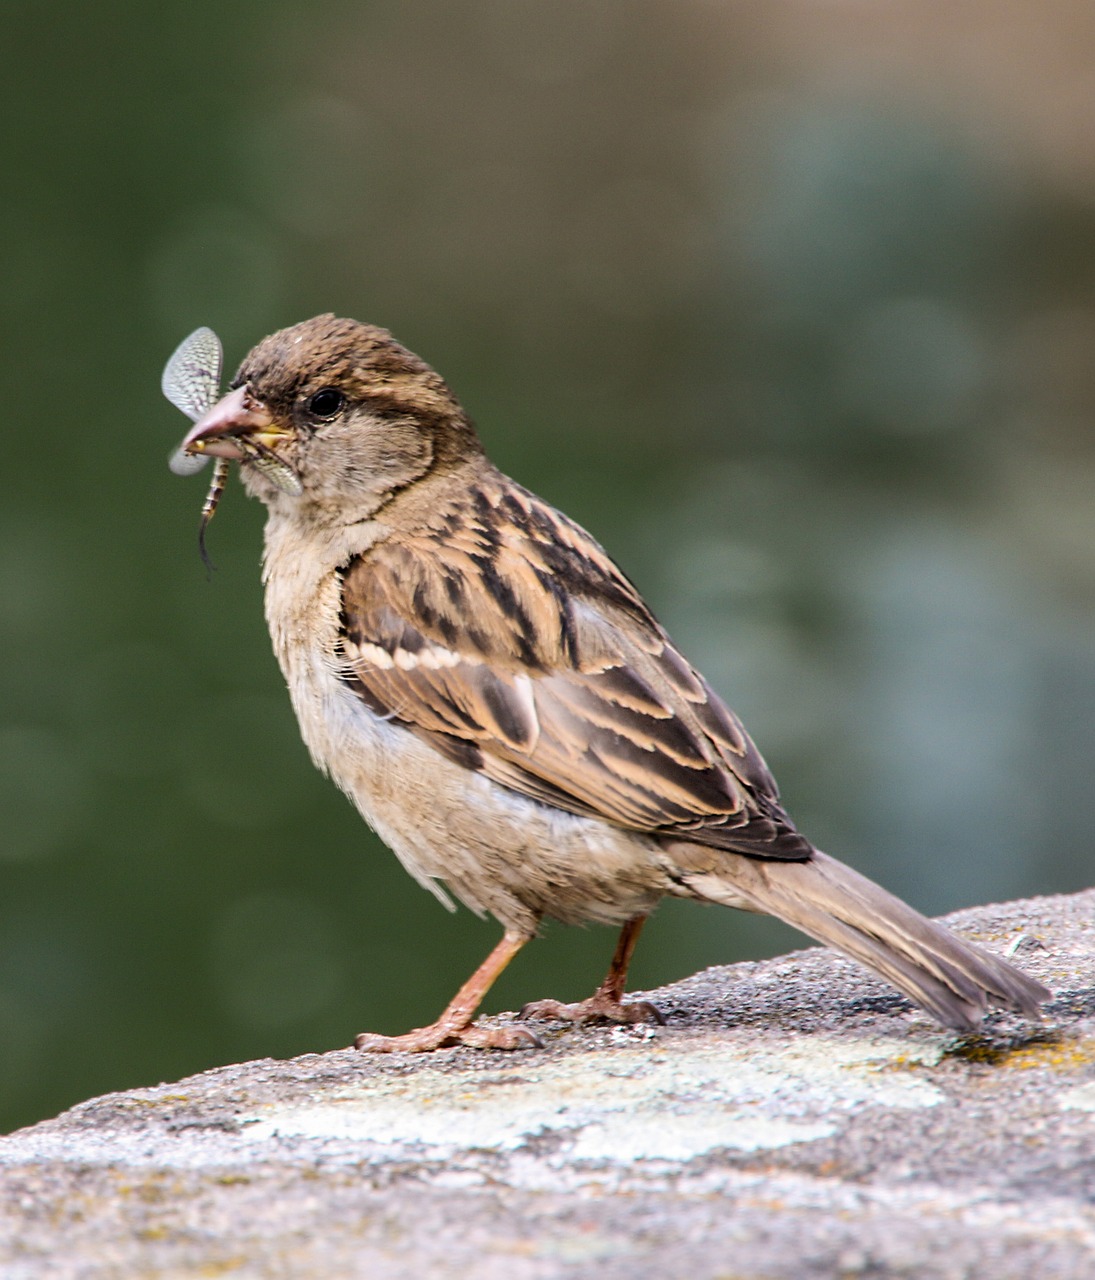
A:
[191,381]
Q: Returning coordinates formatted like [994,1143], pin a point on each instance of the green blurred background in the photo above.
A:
[791,304]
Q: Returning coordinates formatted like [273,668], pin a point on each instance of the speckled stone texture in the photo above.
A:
[794,1118]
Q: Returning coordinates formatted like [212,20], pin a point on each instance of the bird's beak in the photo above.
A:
[236,415]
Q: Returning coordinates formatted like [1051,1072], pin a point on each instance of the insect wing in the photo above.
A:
[277,472]
[192,377]
[191,381]
[186,464]
[279,475]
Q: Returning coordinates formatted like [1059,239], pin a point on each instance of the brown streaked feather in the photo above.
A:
[504,636]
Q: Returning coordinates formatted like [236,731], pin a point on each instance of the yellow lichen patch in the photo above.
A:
[1062,1055]
[152,1102]
[222,1267]
[916,1061]
[1049,1052]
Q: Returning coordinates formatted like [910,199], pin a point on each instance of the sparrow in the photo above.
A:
[502,706]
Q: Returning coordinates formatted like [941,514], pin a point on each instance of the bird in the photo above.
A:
[502,706]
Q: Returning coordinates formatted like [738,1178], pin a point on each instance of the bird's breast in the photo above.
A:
[497,850]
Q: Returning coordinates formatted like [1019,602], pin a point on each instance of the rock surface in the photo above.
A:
[794,1118]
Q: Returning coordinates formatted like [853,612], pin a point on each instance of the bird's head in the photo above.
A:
[335,415]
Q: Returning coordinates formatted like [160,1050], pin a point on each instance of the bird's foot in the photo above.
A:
[602,1006]
[441,1035]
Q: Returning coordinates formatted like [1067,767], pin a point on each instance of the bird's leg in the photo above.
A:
[455,1025]
[607,1001]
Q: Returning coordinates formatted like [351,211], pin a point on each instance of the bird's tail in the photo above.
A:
[952,979]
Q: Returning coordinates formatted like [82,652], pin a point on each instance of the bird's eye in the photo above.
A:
[326,403]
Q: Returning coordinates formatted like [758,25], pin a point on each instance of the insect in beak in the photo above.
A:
[191,382]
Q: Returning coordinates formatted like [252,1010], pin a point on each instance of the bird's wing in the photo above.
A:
[506,638]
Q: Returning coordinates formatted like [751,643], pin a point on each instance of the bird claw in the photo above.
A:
[441,1036]
[504,1037]
[598,1008]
